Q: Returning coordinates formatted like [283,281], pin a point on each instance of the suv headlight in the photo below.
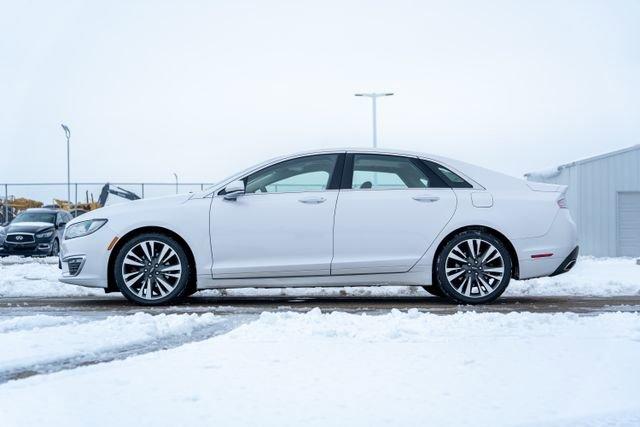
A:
[83,228]
[44,234]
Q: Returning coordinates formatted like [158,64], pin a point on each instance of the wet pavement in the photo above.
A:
[252,305]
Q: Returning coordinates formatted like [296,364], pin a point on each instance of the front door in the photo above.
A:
[390,212]
[282,225]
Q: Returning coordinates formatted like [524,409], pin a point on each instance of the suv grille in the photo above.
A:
[20,238]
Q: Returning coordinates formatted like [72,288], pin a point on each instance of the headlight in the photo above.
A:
[83,228]
[44,234]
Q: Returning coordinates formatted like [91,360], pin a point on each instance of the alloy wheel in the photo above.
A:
[474,268]
[151,269]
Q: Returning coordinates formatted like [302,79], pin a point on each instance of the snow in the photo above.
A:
[35,340]
[591,276]
[38,277]
[544,174]
[401,368]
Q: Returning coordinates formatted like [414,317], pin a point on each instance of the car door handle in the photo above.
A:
[313,200]
[426,199]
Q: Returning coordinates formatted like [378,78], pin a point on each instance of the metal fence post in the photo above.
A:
[6,202]
[76,203]
[142,185]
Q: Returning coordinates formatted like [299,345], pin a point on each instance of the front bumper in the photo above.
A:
[93,252]
[32,249]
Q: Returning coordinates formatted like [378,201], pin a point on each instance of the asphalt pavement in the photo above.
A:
[235,305]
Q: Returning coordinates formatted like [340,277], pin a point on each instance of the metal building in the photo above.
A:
[604,199]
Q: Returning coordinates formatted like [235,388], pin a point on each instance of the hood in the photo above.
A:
[28,227]
[133,206]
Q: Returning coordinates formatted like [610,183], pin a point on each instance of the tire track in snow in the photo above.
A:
[45,359]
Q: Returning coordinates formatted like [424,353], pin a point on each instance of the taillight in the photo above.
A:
[562,203]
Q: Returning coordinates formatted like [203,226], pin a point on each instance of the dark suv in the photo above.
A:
[34,232]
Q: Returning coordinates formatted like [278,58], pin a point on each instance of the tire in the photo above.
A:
[55,248]
[434,290]
[473,268]
[152,269]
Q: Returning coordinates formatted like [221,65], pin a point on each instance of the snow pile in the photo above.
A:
[36,277]
[36,340]
[403,368]
[590,277]
[25,323]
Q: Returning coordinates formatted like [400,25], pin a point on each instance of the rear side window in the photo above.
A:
[451,178]
[375,171]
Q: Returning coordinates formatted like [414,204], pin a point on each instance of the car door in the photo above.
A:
[282,225]
[390,210]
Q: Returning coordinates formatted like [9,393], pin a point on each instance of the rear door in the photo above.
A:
[390,210]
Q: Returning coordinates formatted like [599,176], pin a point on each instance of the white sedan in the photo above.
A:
[352,217]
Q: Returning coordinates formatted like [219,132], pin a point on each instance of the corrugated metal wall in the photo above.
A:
[593,197]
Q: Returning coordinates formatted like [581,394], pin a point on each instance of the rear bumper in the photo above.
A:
[568,262]
[557,245]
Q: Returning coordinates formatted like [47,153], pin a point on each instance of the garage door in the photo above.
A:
[629,224]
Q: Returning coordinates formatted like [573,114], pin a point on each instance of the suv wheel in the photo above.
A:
[55,248]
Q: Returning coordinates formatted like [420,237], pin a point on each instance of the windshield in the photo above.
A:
[35,217]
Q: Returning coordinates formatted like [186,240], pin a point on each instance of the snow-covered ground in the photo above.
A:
[28,277]
[35,340]
[314,368]
[402,368]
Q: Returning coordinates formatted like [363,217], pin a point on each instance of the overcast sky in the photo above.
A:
[205,88]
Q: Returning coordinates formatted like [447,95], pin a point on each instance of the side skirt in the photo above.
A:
[418,277]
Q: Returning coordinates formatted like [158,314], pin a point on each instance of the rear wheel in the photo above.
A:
[152,269]
[473,268]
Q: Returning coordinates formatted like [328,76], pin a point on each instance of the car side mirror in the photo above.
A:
[234,189]
[62,225]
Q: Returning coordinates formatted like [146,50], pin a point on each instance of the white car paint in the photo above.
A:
[351,237]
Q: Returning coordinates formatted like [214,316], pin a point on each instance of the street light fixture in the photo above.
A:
[374,97]
[176,175]
[67,134]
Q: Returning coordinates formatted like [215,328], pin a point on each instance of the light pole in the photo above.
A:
[176,175]
[374,97]
[67,133]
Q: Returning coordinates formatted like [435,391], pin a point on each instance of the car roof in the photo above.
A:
[44,210]
[371,150]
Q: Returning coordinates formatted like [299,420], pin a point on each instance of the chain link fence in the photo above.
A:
[15,196]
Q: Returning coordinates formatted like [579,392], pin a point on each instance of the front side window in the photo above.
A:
[311,173]
[374,171]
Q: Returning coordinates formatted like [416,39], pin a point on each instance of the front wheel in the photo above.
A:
[152,269]
[473,268]
[55,248]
